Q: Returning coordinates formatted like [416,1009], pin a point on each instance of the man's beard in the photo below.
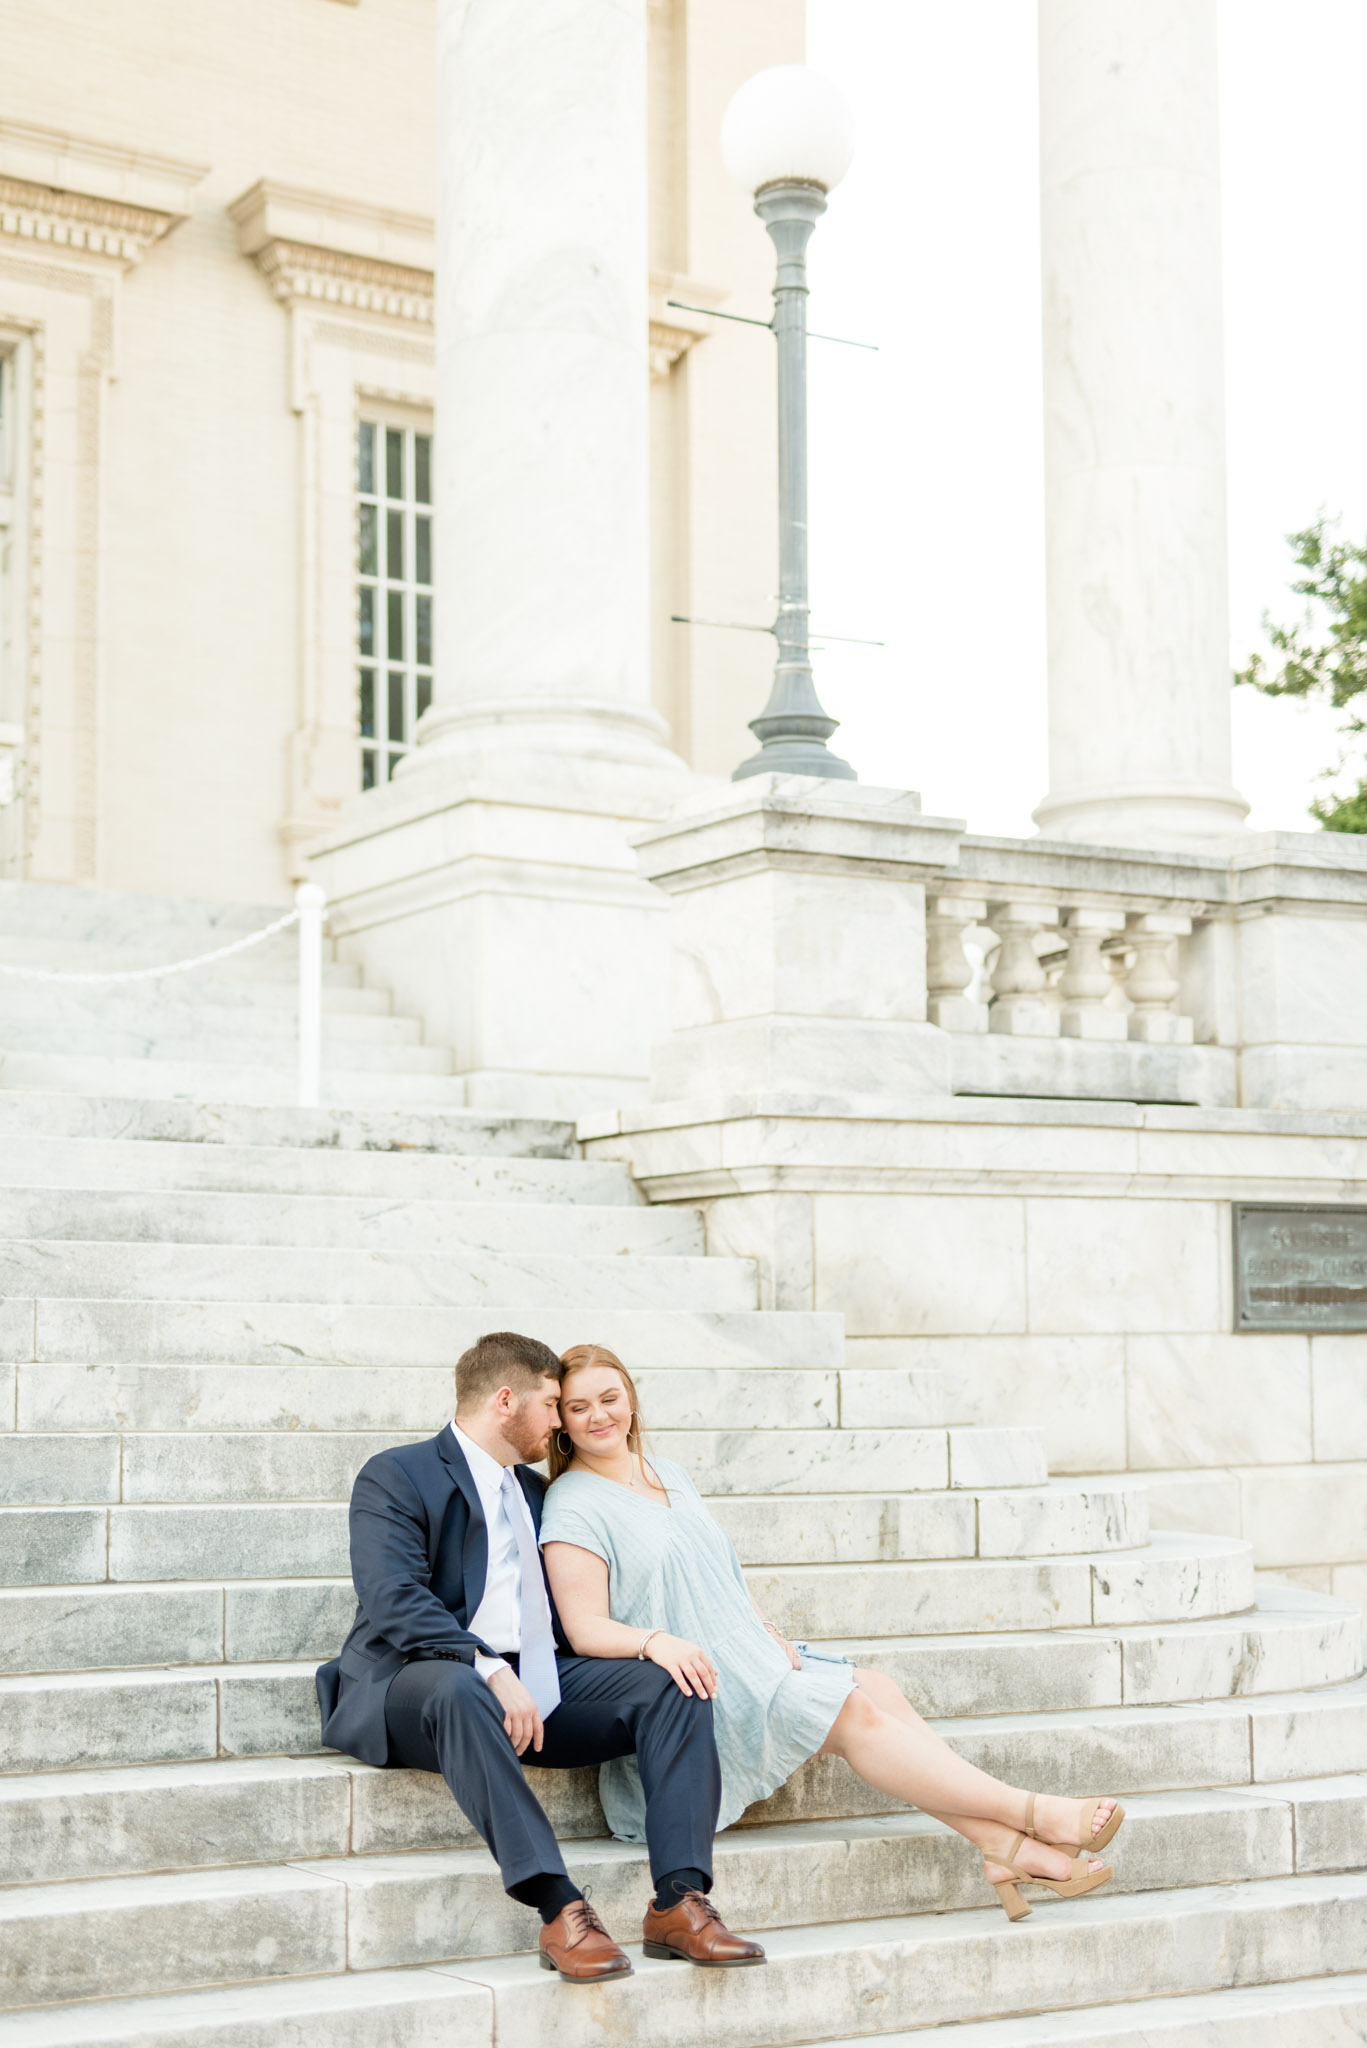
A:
[528,1432]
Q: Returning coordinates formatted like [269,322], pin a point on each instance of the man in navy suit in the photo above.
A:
[456,1662]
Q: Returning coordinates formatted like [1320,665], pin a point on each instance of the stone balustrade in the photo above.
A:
[1091,970]
[819,934]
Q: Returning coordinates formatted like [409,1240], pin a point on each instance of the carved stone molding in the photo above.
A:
[295,271]
[71,220]
[94,198]
[313,247]
[673,330]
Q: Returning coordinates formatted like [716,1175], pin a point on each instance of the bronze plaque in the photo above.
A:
[1299,1266]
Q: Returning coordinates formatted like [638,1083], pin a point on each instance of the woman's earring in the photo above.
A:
[565,1450]
[634,1432]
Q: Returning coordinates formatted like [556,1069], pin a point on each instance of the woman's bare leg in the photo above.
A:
[880,1735]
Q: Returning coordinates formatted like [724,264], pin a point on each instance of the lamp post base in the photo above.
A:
[796,756]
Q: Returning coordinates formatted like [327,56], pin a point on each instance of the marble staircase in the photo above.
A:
[214,1307]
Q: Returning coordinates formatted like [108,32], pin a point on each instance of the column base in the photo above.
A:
[1140,815]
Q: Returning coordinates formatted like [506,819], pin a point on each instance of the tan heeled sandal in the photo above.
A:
[1074,1887]
[1090,1842]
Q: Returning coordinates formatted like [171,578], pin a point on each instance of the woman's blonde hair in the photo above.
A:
[575,1360]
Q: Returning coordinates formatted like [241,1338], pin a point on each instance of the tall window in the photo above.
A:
[394,595]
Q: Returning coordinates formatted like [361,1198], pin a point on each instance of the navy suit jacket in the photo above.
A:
[419,1559]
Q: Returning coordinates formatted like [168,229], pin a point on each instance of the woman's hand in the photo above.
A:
[691,1669]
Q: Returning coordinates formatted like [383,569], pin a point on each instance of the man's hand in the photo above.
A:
[520,1716]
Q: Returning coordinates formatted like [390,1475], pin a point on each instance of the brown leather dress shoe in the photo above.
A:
[694,1932]
[577,1944]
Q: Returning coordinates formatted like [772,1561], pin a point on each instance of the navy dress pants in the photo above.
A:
[441,1716]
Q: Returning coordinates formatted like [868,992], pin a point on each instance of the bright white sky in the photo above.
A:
[926,458]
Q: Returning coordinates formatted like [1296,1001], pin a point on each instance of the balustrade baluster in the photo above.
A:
[949,971]
[1018,980]
[1152,984]
[1087,979]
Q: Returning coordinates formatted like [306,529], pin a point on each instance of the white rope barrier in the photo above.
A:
[309,904]
[267,931]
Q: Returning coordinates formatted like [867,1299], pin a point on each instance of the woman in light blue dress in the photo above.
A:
[639,1568]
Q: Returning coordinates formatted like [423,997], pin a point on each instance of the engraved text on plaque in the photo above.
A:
[1299,1266]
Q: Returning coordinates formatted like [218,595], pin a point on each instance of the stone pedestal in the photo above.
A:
[492,883]
[1139,674]
[799,941]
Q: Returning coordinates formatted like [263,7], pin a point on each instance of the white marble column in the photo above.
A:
[542,376]
[1139,668]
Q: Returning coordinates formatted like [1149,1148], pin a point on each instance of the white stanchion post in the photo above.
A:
[310,901]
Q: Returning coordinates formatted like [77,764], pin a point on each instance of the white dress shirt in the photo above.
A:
[498,1618]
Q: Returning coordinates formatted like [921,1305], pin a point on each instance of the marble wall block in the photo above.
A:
[1218,1400]
[1331,1821]
[268,1714]
[1349,1582]
[16,1335]
[58,1468]
[109,1626]
[921,1265]
[46,1723]
[1206,1502]
[267,1621]
[1307,1514]
[1338,1375]
[1074,1387]
[787,942]
[775,1230]
[891,1398]
[1123,1265]
[1302,980]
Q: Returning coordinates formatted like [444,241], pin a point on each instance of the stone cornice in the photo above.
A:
[313,246]
[673,330]
[98,198]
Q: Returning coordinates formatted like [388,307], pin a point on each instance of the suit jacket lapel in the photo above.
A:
[474,1562]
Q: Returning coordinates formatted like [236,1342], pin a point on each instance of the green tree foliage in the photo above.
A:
[1325,656]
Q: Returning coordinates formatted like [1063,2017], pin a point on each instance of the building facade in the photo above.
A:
[216,398]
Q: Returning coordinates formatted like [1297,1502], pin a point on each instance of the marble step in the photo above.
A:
[431,2008]
[206,1274]
[1318,2012]
[151,1021]
[363,1045]
[933,1969]
[70,1827]
[189,996]
[294,1140]
[412,1399]
[175,1931]
[110,1214]
[1172,1577]
[87,915]
[101,1331]
[81,1474]
[400,1081]
[1023,1514]
[143,1170]
[1144,1682]
[376,2009]
[63,1826]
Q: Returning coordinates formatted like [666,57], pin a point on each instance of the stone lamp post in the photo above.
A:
[787,137]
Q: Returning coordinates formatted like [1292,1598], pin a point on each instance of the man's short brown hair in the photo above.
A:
[503,1359]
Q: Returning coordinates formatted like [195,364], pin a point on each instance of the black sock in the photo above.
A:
[672,1886]
[549,1894]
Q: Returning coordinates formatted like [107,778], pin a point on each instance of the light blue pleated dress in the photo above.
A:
[674,1568]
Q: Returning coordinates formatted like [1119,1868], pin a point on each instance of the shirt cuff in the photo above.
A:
[487,1666]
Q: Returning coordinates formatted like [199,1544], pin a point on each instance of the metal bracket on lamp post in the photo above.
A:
[792,728]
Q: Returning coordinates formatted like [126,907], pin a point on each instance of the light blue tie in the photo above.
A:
[536,1659]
